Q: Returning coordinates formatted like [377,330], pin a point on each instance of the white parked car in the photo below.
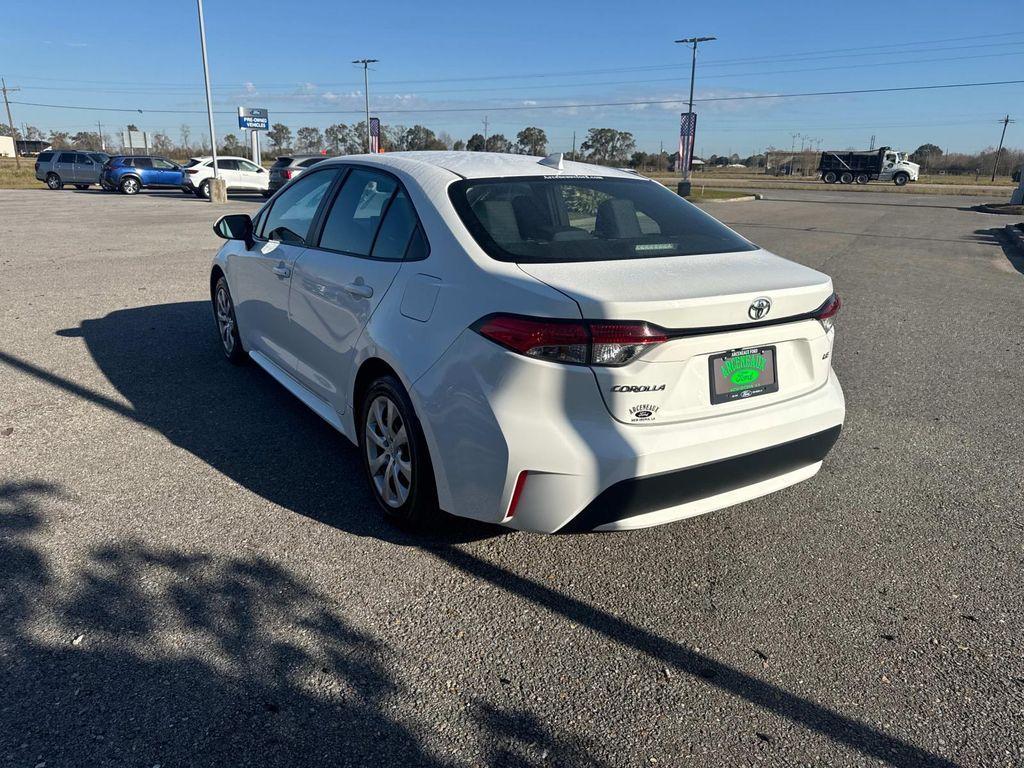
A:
[544,345]
[239,174]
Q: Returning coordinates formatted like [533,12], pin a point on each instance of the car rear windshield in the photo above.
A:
[282,162]
[536,219]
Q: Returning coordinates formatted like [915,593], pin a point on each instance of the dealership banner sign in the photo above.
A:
[374,135]
[687,134]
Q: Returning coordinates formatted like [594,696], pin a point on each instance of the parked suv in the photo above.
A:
[58,167]
[287,167]
[239,174]
[129,174]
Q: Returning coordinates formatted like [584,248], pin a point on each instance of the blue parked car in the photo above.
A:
[129,174]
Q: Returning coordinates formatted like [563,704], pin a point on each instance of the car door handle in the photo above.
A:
[282,271]
[362,290]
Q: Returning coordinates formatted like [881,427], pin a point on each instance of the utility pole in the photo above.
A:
[995,163]
[366,93]
[684,185]
[214,194]
[99,130]
[10,120]
[574,145]
[486,123]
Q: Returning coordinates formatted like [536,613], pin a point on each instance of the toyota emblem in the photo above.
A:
[760,308]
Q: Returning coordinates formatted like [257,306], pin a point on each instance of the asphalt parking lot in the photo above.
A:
[192,572]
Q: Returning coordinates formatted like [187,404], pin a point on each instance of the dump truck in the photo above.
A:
[885,164]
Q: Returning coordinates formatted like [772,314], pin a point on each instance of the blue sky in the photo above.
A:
[491,57]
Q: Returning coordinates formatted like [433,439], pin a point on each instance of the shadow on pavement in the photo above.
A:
[164,360]
[145,656]
[998,236]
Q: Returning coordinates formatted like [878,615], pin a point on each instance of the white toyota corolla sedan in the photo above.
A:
[546,345]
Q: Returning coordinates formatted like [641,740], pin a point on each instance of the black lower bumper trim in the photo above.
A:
[639,495]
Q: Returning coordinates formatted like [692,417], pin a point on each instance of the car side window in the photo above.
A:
[396,229]
[45,157]
[245,165]
[227,164]
[352,223]
[159,162]
[292,213]
[83,159]
[66,157]
[142,162]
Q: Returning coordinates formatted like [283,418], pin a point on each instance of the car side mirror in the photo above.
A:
[261,170]
[235,226]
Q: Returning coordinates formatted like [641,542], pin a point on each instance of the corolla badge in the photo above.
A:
[759,308]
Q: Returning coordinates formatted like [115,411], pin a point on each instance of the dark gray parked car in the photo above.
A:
[58,167]
[287,167]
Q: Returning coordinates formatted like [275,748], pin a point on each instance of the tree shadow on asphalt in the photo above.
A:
[143,655]
[165,361]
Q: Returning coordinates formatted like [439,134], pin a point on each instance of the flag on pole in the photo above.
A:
[374,135]
[687,132]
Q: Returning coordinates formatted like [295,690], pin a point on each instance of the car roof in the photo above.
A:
[204,158]
[479,165]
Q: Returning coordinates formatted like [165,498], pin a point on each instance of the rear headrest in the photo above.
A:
[617,218]
[499,219]
[532,222]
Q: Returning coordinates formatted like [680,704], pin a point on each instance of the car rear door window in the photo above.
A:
[353,220]
[292,213]
[227,164]
[142,162]
[396,229]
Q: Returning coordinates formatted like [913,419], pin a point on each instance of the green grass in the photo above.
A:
[12,177]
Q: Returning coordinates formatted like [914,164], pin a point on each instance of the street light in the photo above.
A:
[366,93]
[684,185]
[209,98]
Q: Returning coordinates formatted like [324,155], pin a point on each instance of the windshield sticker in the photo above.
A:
[573,176]
[654,247]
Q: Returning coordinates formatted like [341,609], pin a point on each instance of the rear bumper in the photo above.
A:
[490,415]
[649,500]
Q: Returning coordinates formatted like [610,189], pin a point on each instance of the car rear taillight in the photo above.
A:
[827,312]
[190,171]
[580,342]
[287,173]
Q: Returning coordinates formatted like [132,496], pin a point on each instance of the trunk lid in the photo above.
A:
[704,302]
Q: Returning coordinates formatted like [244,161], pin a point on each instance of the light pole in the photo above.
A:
[366,93]
[215,183]
[684,185]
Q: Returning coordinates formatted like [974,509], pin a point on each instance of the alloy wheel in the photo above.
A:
[225,320]
[388,453]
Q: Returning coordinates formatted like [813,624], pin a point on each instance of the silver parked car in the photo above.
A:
[68,166]
[287,167]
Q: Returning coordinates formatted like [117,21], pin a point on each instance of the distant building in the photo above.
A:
[24,147]
[32,146]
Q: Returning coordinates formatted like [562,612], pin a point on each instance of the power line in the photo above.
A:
[899,49]
[570,105]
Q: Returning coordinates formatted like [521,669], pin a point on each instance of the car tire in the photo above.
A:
[188,190]
[395,456]
[227,324]
[203,190]
[900,179]
[862,178]
[129,185]
[846,178]
[829,177]
[53,181]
